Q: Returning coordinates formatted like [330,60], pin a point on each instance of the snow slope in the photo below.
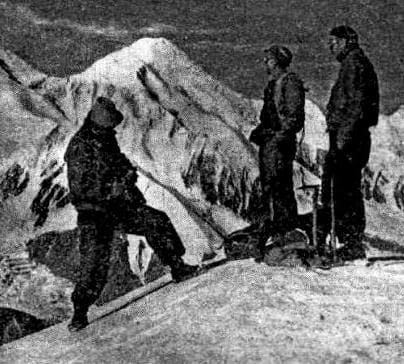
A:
[242,312]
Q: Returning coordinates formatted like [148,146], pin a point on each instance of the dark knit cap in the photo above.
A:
[281,54]
[105,102]
[345,32]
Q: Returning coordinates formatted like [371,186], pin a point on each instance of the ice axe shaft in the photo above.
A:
[386,258]
[315,216]
[333,234]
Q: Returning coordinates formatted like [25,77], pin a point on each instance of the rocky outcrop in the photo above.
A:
[16,324]
[11,185]
[34,290]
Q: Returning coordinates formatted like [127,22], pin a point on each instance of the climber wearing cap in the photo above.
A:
[282,116]
[103,191]
[353,107]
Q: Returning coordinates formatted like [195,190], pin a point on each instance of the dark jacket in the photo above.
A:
[282,115]
[94,163]
[354,103]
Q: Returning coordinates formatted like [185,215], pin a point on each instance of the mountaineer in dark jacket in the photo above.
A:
[353,108]
[282,116]
[103,191]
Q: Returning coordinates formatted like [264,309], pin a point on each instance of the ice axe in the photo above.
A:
[315,217]
[333,241]
[373,260]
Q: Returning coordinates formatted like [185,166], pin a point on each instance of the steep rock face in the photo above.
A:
[33,135]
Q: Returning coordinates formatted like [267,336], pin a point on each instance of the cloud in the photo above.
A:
[110,31]
[24,13]
[157,28]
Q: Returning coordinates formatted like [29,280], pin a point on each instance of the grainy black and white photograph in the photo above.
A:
[201,181]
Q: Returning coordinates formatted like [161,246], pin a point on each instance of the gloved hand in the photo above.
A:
[117,189]
[332,156]
[120,186]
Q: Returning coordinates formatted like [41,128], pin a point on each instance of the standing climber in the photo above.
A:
[353,108]
[282,116]
[103,191]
